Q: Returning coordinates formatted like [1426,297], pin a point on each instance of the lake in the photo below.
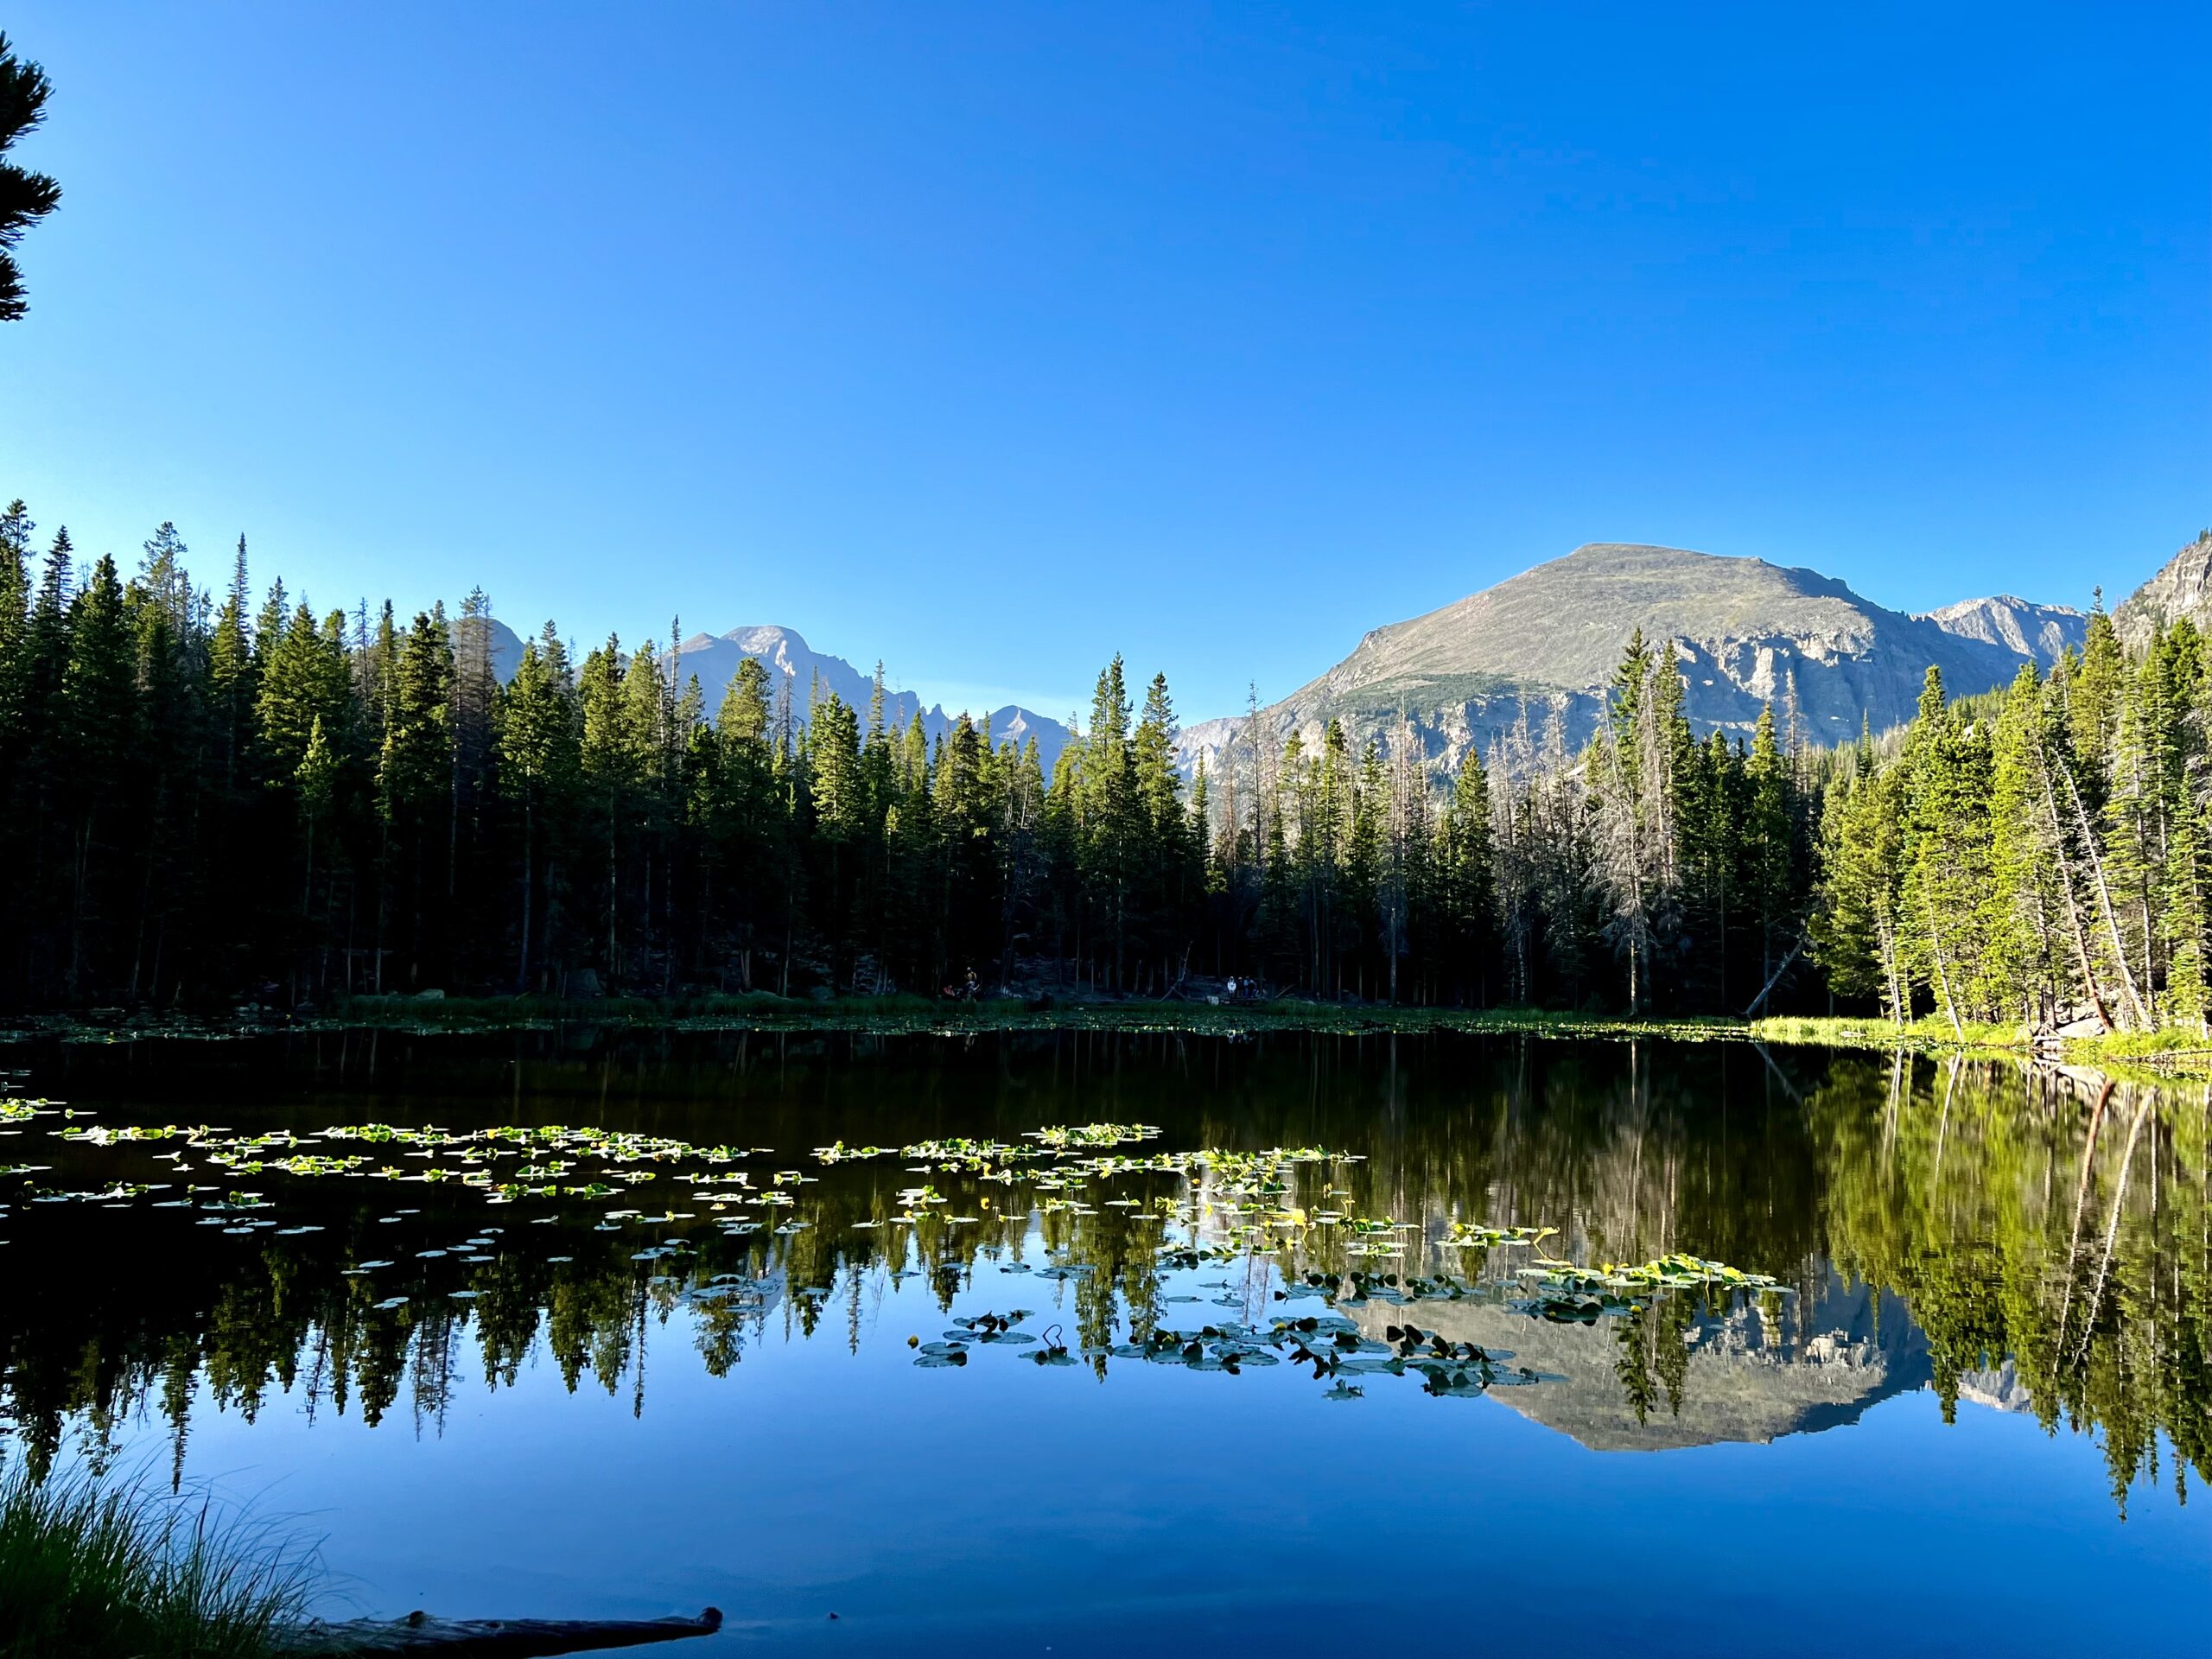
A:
[1091,1342]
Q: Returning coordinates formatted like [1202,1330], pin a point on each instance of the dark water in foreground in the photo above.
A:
[1960,1400]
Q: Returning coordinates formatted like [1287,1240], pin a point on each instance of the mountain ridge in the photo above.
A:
[1546,639]
[784,651]
[1745,631]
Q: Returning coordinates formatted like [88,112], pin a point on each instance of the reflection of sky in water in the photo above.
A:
[1006,1506]
[1006,1499]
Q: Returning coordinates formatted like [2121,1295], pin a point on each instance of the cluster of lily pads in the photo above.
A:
[1329,1343]
[1562,1292]
[1263,1211]
[1238,1201]
[543,1161]
[16,1111]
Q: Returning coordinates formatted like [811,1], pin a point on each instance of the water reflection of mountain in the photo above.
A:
[1746,1375]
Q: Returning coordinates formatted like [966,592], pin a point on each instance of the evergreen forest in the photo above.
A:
[213,797]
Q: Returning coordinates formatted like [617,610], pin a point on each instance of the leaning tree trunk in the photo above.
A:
[2105,909]
[2080,934]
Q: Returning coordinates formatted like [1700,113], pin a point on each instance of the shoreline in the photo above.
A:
[2168,1056]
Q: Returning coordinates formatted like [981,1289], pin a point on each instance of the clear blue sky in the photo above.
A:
[991,340]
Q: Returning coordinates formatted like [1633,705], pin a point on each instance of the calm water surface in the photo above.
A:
[584,1323]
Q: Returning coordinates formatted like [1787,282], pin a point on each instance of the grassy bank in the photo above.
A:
[2169,1053]
[98,1566]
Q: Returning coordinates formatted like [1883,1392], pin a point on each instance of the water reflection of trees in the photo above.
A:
[2021,1219]
[2057,1223]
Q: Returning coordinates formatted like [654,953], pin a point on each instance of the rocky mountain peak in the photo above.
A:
[2183,587]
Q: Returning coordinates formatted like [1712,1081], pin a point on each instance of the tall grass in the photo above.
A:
[101,1566]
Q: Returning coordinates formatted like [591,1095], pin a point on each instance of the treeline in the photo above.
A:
[208,798]
[2035,855]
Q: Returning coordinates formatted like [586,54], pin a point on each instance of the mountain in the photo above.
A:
[715,658]
[1205,742]
[788,658]
[506,652]
[1751,1376]
[791,661]
[2183,587]
[2043,632]
[1741,630]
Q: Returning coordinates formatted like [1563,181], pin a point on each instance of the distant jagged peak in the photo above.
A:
[764,638]
[784,652]
[2041,632]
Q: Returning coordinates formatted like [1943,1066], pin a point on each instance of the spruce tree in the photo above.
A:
[540,744]
[1769,839]
[25,197]
[2189,980]
[414,784]
[1466,886]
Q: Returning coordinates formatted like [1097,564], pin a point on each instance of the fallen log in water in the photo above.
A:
[489,1638]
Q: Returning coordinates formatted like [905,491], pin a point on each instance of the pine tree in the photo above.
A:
[303,680]
[1168,856]
[1466,881]
[98,717]
[1769,845]
[414,779]
[2093,716]
[316,780]
[2015,916]
[16,530]
[2189,987]
[1719,856]
[232,683]
[1856,931]
[540,748]
[1105,820]
[25,197]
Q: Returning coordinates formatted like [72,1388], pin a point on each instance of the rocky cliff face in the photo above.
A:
[1207,742]
[2041,632]
[506,652]
[2183,588]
